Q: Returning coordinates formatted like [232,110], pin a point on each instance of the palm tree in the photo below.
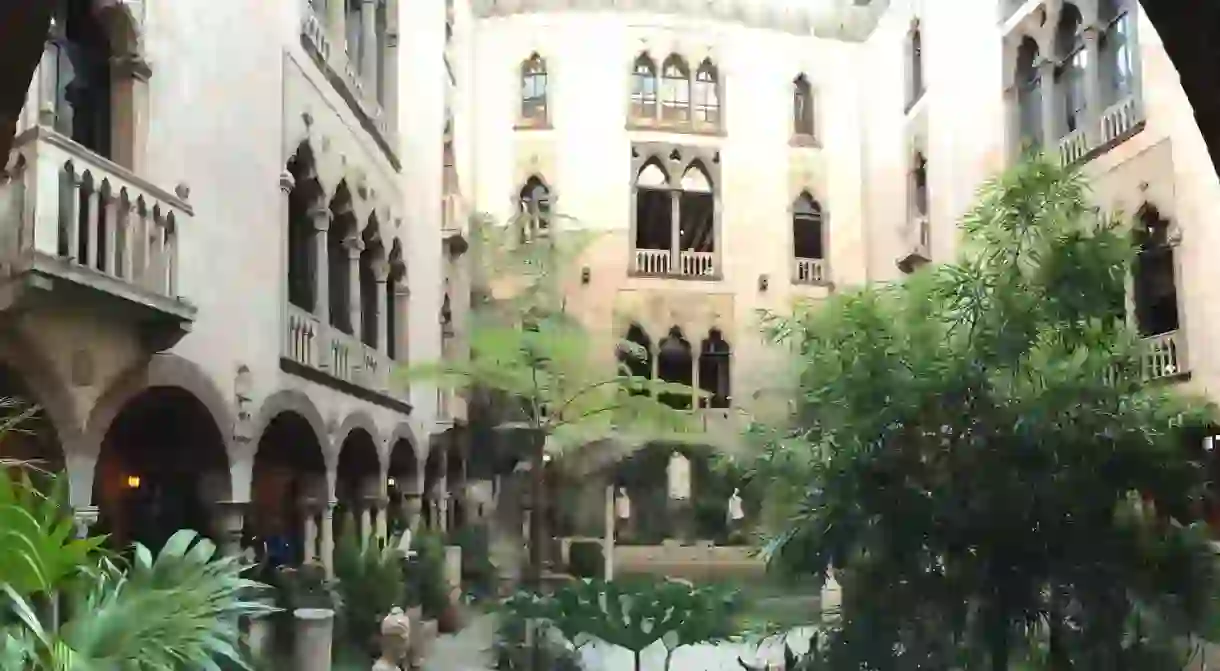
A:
[66,605]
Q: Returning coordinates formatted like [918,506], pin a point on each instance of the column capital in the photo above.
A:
[381,271]
[354,246]
[287,182]
[401,290]
[130,66]
[320,216]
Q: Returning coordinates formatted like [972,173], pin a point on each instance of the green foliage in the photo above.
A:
[177,610]
[370,580]
[517,648]
[634,614]
[586,559]
[426,573]
[970,449]
[478,573]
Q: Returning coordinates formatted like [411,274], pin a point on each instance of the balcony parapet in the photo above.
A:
[324,352]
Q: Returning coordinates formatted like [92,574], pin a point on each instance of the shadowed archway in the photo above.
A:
[288,491]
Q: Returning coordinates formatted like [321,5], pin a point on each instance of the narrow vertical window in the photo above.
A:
[802,107]
[915,84]
[1029,93]
[707,97]
[1072,68]
[534,90]
[644,89]
[675,90]
[1117,62]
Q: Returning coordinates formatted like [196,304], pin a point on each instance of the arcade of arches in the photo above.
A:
[161,462]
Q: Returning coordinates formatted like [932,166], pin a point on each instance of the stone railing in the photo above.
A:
[327,349]
[697,264]
[809,271]
[1164,356]
[1118,120]
[691,264]
[652,261]
[1115,122]
[1073,146]
[92,214]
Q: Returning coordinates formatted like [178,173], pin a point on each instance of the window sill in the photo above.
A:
[716,277]
[528,124]
[805,141]
[680,127]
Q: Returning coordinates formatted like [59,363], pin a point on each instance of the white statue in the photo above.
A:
[679,477]
[395,641]
[622,504]
[735,512]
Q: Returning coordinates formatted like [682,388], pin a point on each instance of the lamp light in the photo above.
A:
[133,482]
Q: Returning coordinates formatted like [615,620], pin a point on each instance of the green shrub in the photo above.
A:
[586,559]
[478,573]
[426,573]
[548,650]
[370,582]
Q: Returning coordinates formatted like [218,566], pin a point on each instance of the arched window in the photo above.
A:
[1072,68]
[82,56]
[675,364]
[535,203]
[915,84]
[398,275]
[808,240]
[372,263]
[304,204]
[714,371]
[533,90]
[1029,93]
[919,185]
[1156,294]
[342,240]
[802,107]
[1117,57]
[675,90]
[644,89]
[707,95]
[635,355]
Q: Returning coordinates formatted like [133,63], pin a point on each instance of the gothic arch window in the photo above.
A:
[802,107]
[675,218]
[1117,50]
[644,88]
[1072,68]
[919,185]
[342,242]
[304,203]
[372,264]
[396,278]
[675,90]
[715,380]
[1029,93]
[1155,284]
[706,106]
[534,90]
[915,82]
[535,206]
[675,364]
[635,355]
[808,240]
[81,57]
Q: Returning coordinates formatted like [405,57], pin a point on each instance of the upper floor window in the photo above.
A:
[1117,63]
[808,240]
[1156,294]
[644,89]
[535,204]
[915,83]
[1029,93]
[534,90]
[802,107]
[919,186]
[1072,68]
[707,97]
[79,57]
[675,90]
[675,216]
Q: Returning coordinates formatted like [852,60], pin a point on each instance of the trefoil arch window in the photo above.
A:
[715,379]
[1072,69]
[675,90]
[1028,94]
[808,240]
[675,218]
[534,90]
[706,104]
[644,89]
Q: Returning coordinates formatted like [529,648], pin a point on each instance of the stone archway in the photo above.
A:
[403,484]
[435,490]
[161,466]
[289,494]
[358,485]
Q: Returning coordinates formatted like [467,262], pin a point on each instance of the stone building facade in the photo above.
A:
[224,226]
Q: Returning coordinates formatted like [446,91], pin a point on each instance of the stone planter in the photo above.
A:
[314,629]
[259,636]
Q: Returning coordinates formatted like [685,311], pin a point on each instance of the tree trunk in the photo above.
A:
[24,25]
[537,543]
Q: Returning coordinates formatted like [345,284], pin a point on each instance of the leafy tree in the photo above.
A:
[974,455]
[530,352]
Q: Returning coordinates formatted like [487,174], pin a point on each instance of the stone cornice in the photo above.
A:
[838,19]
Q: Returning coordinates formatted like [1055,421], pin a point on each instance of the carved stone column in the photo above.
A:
[84,517]
[381,523]
[229,518]
[328,538]
[309,551]
[354,246]
[320,216]
[412,505]
[402,306]
[1050,109]
[381,275]
[369,46]
[129,111]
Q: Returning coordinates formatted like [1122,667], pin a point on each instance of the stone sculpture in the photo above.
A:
[395,641]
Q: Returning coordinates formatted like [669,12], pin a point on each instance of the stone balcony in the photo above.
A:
[809,271]
[78,230]
[690,264]
[314,349]
[1116,123]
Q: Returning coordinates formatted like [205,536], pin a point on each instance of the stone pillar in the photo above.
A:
[1050,107]
[320,216]
[402,302]
[412,504]
[336,22]
[381,274]
[354,246]
[381,523]
[328,538]
[369,46]
[309,553]
[229,522]
[389,78]
[84,517]
[1092,85]
[129,111]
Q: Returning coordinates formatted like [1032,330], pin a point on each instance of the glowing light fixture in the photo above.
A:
[133,482]
[389,482]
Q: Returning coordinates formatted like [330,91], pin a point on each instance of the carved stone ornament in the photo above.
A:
[395,641]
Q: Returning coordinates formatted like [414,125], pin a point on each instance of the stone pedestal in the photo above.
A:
[453,565]
[312,640]
[258,637]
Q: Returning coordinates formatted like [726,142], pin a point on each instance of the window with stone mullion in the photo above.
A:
[675,92]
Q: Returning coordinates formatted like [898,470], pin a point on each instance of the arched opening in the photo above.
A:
[675,90]
[1071,70]
[707,94]
[397,276]
[372,262]
[675,364]
[715,379]
[288,493]
[341,240]
[654,222]
[305,196]
[919,185]
[162,464]
[807,237]
[696,221]
[1117,51]
[357,484]
[635,355]
[534,89]
[915,82]
[1156,294]
[644,89]
[802,106]
[1029,94]
[434,488]
[81,55]
[403,487]
[26,432]
[535,204]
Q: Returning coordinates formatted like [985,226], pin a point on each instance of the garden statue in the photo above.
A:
[679,477]
[622,504]
[735,512]
[395,641]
